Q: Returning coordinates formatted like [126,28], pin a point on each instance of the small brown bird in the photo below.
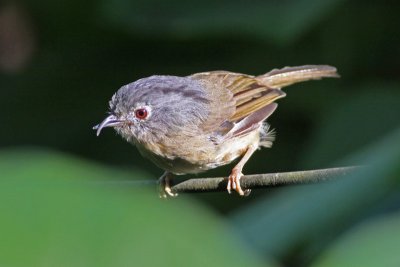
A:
[199,122]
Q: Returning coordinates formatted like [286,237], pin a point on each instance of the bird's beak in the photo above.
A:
[110,121]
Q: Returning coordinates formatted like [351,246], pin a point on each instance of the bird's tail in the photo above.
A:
[279,78]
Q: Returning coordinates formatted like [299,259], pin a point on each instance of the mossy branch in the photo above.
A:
[263,180]
[218,184]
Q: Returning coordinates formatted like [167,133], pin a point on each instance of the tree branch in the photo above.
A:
[263,180]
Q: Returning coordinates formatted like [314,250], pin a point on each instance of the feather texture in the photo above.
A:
[279,78]
[235,97]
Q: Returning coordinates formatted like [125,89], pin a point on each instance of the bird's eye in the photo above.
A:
[141,113]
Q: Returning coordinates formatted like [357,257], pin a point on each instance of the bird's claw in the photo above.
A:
[164,186]
[234,183]
[166,191]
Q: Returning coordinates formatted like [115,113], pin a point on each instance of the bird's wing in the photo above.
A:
[239,102]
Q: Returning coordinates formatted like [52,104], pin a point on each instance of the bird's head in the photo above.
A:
[156,107]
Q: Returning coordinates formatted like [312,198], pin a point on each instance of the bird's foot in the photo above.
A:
[164,186]
[234,183]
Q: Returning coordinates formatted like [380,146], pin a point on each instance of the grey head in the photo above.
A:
[156,107]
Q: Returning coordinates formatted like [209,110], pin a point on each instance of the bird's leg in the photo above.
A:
[164,185]
[236,174]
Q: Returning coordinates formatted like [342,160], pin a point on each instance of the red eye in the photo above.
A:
[141,113]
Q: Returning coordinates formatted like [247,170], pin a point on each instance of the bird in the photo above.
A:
[191,124]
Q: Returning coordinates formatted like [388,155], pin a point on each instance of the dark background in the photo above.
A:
[61,61]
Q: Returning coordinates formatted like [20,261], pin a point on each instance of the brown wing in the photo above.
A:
[246,94]
[242,101]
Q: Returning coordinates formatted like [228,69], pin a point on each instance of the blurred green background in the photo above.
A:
[66,198]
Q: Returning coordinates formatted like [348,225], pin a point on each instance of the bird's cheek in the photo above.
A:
[125,132]
[128,124]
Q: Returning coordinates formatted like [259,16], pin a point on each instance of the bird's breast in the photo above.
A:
[196,154]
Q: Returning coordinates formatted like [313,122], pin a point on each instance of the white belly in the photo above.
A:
[202,160]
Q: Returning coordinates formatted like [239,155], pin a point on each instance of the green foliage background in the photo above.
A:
[59,202]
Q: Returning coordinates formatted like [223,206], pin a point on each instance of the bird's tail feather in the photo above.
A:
[279,78]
